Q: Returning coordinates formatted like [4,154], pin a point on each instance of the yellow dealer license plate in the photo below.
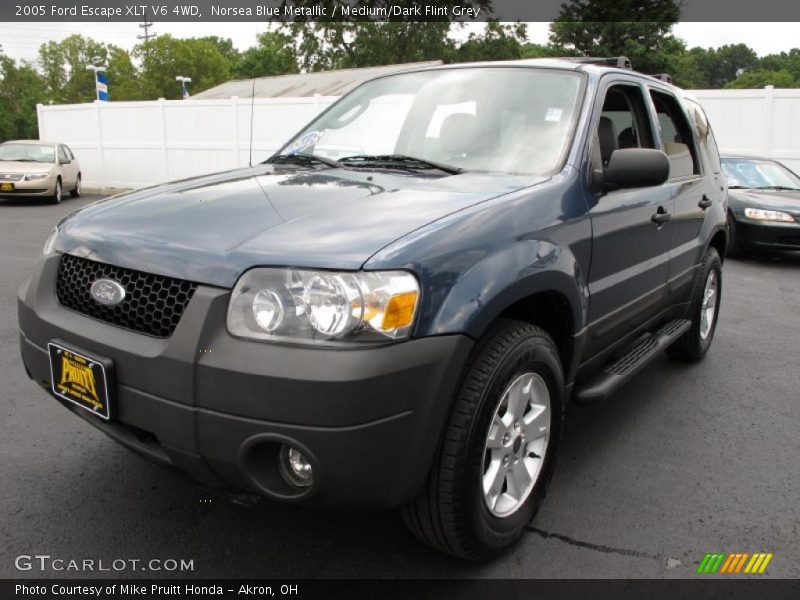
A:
[81,379]
[6,187]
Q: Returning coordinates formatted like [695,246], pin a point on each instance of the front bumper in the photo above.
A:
[40,187]
[219,407]
[767,235]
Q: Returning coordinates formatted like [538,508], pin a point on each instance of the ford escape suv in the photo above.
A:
[393,310]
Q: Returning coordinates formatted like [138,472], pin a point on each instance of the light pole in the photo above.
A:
[100,81]
[184,88]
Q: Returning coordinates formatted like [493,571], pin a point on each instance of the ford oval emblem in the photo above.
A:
[107,292]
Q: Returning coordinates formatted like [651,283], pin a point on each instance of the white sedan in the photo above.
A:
[32,168]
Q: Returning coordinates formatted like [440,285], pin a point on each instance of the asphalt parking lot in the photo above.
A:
[683,461]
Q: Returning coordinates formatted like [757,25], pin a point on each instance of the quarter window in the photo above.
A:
[706,135]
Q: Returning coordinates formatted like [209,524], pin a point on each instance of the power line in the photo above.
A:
[147,35]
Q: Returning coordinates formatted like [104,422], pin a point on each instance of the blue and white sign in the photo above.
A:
[101,82]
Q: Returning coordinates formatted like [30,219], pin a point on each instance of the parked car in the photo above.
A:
[764,206]
[401,327]
[35,169]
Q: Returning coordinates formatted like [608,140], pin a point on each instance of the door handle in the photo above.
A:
[704,203]
[661,216]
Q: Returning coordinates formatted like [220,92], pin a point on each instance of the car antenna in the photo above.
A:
[252,114]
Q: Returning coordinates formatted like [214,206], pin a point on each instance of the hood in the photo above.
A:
[787,201]
[211,229]
[12,166]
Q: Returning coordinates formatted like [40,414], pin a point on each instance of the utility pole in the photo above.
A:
[147,35]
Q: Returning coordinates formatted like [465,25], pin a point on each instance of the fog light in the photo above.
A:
[295,467]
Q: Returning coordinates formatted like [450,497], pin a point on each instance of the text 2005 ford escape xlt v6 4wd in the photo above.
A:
[393,310]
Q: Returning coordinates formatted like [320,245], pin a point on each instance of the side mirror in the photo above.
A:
[636,167]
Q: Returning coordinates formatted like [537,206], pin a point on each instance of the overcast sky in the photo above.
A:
[22,40]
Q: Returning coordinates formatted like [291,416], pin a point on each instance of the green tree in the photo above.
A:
[21,89]
[274,54]
[224,45]
[718,66]
[63,66]
[328,45]
[166,57]
[530,50]
[604,28]
[123,77]
[496,42]
[759,78]
[785,61]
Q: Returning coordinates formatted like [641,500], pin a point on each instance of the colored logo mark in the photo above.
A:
[735,562]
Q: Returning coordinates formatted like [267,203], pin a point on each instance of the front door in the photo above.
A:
[631,227]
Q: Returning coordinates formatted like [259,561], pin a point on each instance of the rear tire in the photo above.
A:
[693,345]
[58,192]
[453,512]
[76,192]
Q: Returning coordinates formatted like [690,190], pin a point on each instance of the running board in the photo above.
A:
[614,374]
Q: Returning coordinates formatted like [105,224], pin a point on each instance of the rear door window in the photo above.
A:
[677,140]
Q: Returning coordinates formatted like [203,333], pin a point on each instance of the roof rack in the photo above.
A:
[662,77]
[621,62]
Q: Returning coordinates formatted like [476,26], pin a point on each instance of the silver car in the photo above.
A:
[32,168]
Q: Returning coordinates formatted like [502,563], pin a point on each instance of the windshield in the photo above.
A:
[27,153]
[509,120]
[754,174]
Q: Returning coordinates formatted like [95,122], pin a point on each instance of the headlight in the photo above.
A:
[50,243]
[36,176]
[760,214]
[323,307]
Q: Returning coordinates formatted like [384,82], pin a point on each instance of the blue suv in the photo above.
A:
[394,309]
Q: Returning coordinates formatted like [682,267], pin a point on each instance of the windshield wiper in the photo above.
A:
[779,188]
[302,159]
[397,160]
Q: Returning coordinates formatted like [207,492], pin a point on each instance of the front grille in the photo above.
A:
[10,176]
[153,304]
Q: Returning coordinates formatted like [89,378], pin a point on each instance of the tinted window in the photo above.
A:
[62,154]
[623,123]
[676,136]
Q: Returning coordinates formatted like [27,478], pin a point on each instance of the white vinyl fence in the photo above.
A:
[763,122]
[133,144]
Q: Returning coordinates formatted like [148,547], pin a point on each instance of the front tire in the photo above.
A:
[734,245]
[497,452]
[58,192]
[703,311]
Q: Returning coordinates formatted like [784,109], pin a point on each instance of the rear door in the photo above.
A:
[630,251]
[691,183]
[69,172]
